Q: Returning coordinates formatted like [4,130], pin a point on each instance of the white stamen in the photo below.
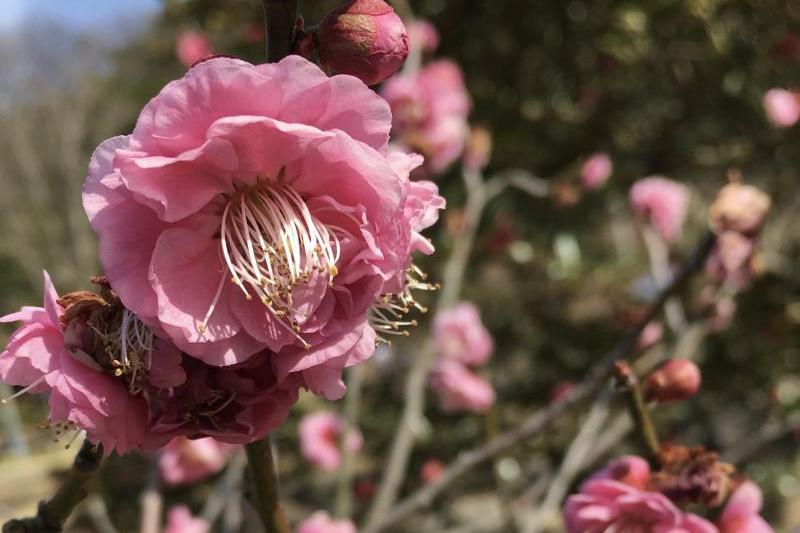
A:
[22,391]
[386,316]
[271,243]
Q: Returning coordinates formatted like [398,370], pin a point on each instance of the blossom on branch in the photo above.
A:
[184,461]
[320,439]
[663,202]
[254,217]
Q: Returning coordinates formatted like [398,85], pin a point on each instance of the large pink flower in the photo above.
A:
[460,335]
[88,390]
[609,505]
[253,210]
[321,522]
[320,439]
[741,512]
[665,202]
[430,110]
[192,46]
[185,460]
[459,389]
[180,520]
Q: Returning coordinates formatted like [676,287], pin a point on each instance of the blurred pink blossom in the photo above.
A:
[432,470]
[184,461]
[192,46]
[363,38]
[218,149]
[83,394]
[180,520]
[459,389]
[320,437]
[730,260]
[741,513]
[423,34]
[596,170]
[608,505]
[321,522]
[651,335]
[429,112]
[782,107]
[460,335]
[664,202]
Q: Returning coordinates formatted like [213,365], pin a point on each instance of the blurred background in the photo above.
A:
[669,87]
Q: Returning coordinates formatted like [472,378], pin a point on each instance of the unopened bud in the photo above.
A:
[363,38]
[596,170]
[629,469]
[676,380]
[739,207]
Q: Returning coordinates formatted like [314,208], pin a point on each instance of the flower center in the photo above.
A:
[271,243]
[129,347]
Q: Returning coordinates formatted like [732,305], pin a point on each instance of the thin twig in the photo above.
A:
[150,502]
[539,421]
[54,512]
[352,404]
[627,384]
[573,461]
[230,482]
[265,484]
[279,19]
[97,511]
[658,253]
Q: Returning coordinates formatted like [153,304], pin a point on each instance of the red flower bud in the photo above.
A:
[364,38]
[675,381]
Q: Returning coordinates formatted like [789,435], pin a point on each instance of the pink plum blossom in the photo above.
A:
[320,438]
[321,522]
[363,38]
[607,505]
[184,461]
[741,513]
[48,354]
[596,170]
[664,202]
[460,335]
[253,213]
[180,520]
[782,107]
[192,46]
[429,112]
[235,404]
[459,389]
[423,35]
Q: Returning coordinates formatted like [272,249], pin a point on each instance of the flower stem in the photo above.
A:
[54,512]
[626,383]
[265,485]
[279,17]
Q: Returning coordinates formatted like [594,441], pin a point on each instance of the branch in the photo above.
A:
[150,502]
[538,422]
[352,404]
[54,512]
[279,19]
[626,383]
[265,483]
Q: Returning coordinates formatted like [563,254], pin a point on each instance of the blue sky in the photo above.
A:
[77,14]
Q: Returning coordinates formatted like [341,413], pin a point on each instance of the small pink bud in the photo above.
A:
[596,170]
[631,470]
[423,35]
[364,38]
[432,470]
[676,380]
[782,107]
